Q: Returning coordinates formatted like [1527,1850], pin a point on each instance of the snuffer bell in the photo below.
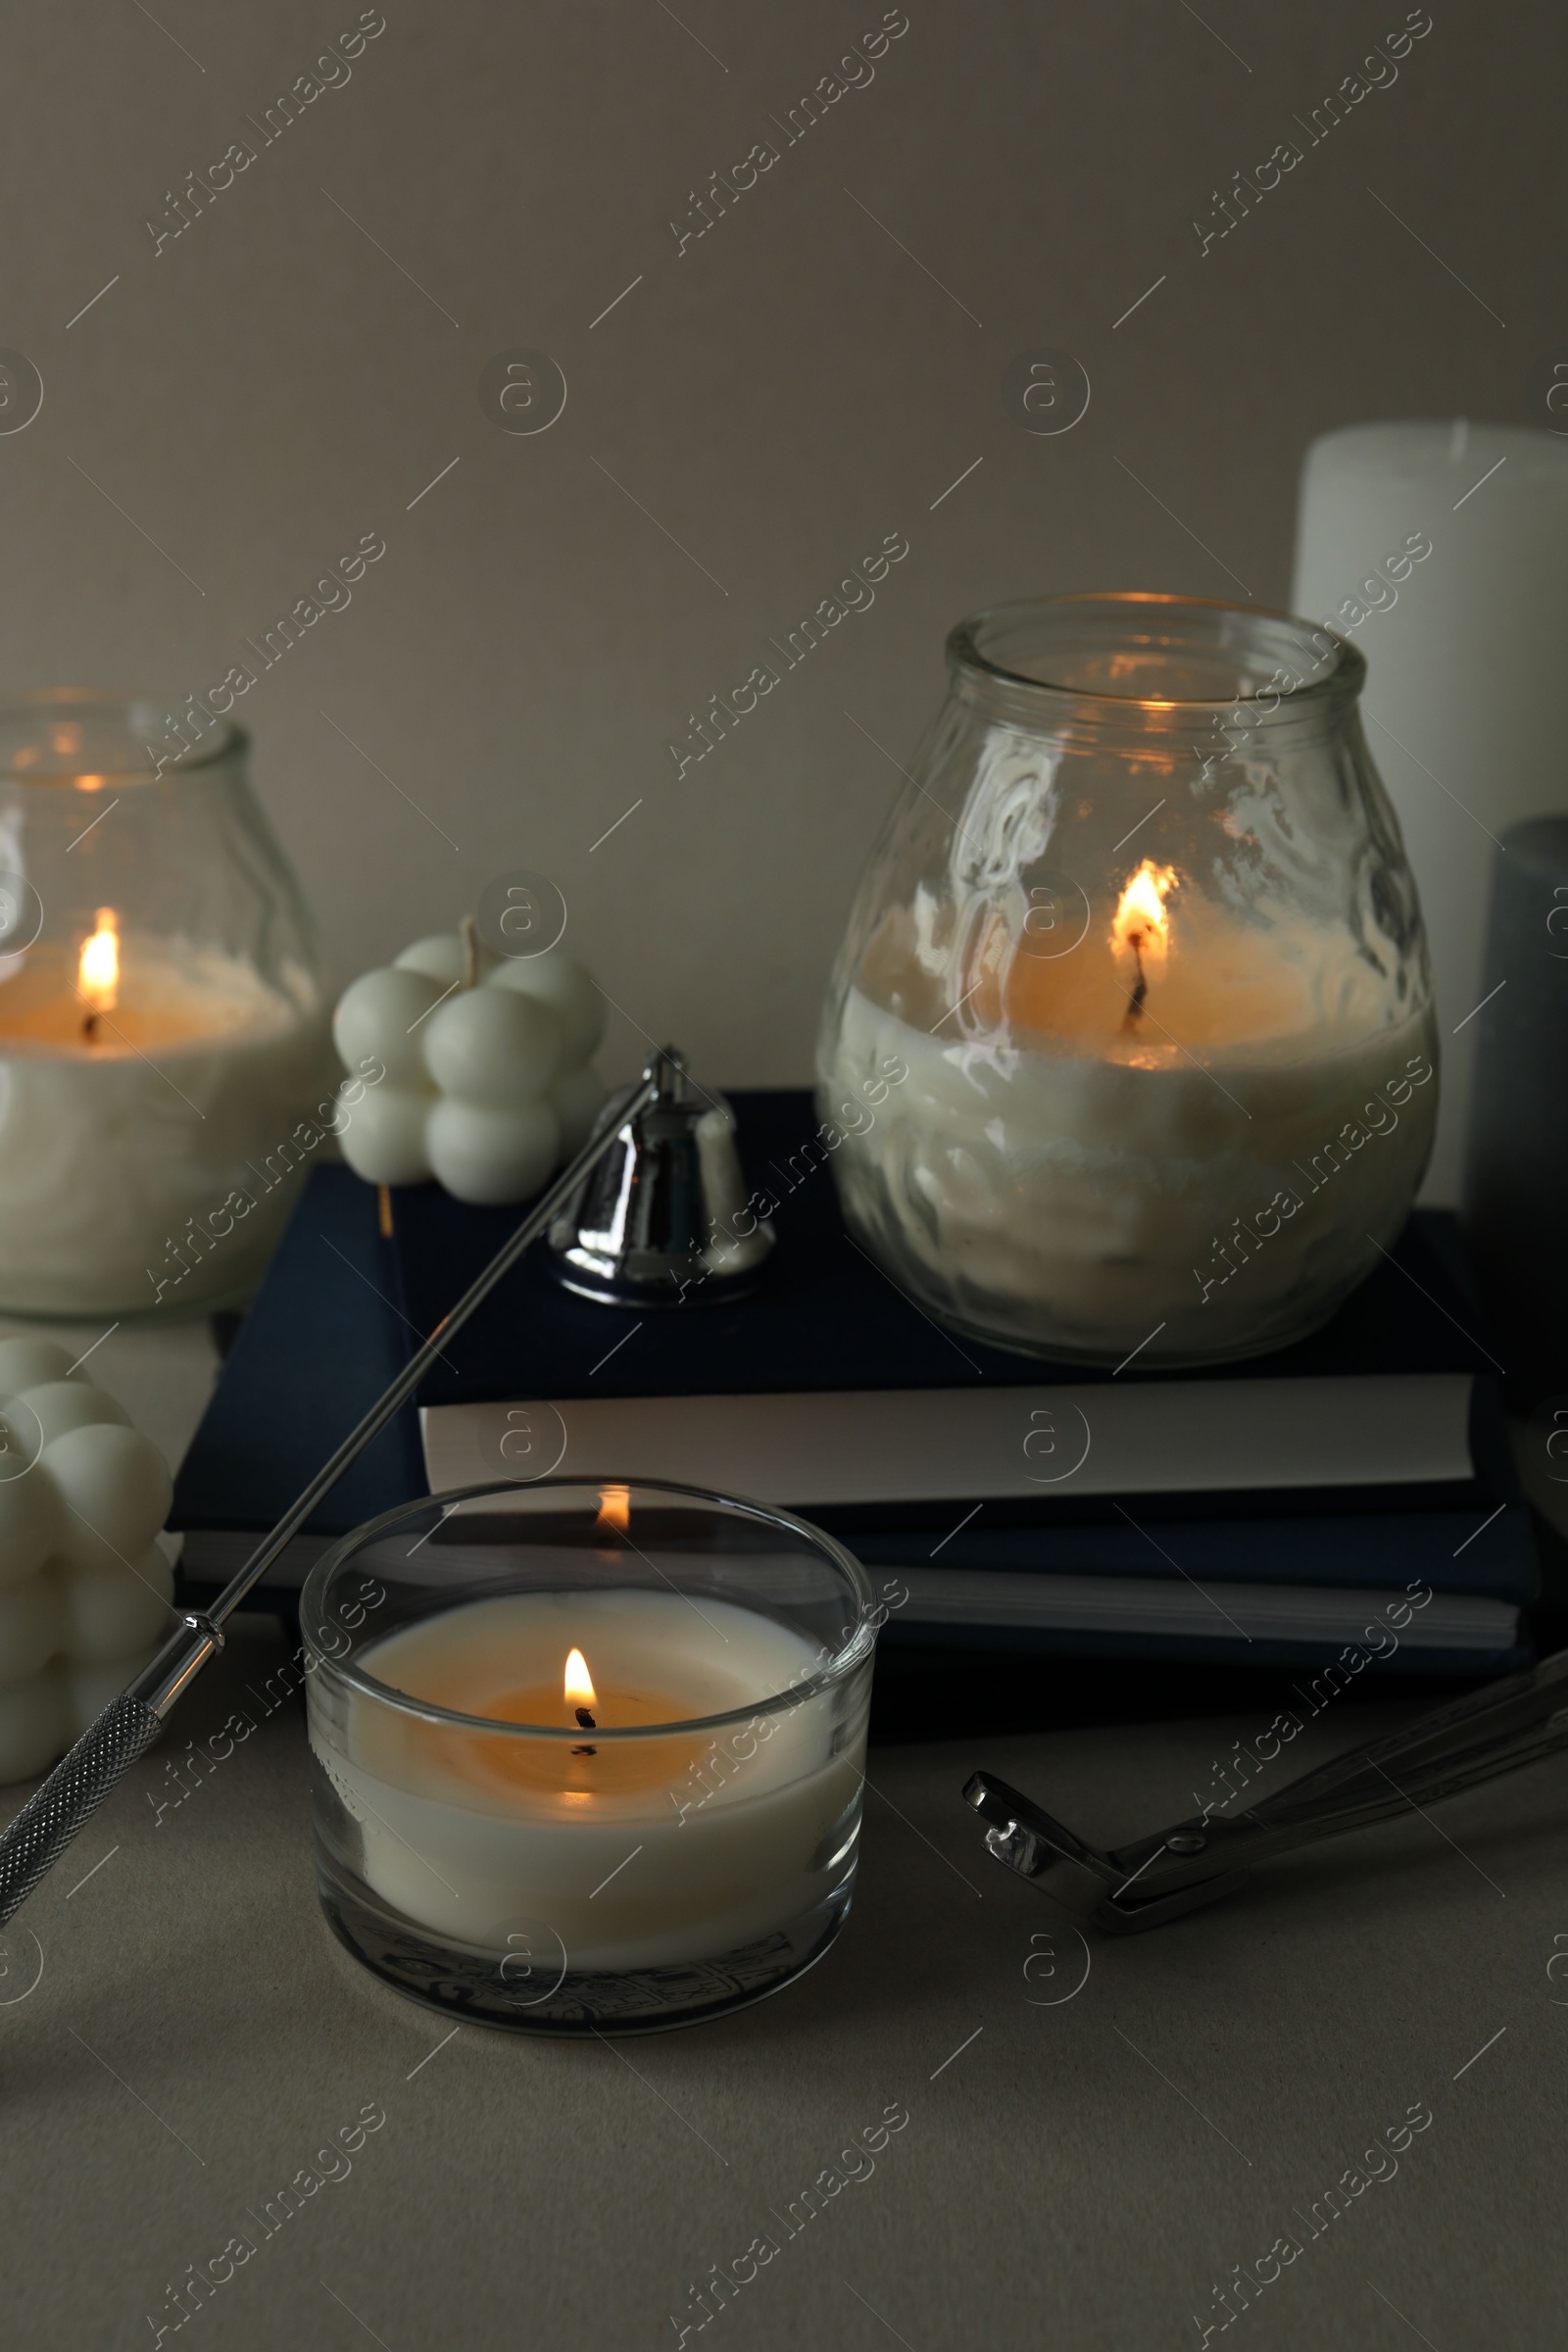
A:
[662,1219]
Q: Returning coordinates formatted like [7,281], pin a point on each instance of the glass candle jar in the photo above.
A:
[587,1757]
[164,1041]
[1142,935]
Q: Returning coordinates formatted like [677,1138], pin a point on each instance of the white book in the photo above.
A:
[822,1448]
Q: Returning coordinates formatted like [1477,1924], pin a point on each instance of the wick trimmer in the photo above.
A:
[1495,1730]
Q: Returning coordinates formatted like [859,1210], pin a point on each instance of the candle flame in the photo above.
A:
[577,1686]
[99,970]
[1142,923]
[615,1511]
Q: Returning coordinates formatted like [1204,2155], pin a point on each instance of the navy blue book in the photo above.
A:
[826,1318]
[319,1344]
[831,1333]
[1401,1478]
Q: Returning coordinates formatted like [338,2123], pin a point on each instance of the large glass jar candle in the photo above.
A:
[584,1757]
[1141,932]
[164,1048]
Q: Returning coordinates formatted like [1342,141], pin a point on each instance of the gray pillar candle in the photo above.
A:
[1517,1157]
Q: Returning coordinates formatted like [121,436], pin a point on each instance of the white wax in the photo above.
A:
[1466,699]
[84,1591]
[488,1088]
[704,1861]
[1105,1194]
[189,1092]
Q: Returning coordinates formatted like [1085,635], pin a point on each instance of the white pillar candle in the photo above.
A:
[1442,551]
[601,1855]
[150,1103]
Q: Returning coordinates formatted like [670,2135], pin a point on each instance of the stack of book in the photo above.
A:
[1352,1493]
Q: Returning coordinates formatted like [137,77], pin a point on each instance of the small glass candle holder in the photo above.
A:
[587,1758]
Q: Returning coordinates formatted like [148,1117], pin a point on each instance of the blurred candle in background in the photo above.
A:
[1442,551]
[164,1070]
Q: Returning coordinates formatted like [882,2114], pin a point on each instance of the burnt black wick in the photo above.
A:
[1135,1003]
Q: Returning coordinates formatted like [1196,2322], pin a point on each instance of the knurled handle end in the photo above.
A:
[71,1794]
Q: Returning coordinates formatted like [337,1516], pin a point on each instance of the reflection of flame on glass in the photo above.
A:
[98,974]
[1142,926]
[577,1684]
[615,1512]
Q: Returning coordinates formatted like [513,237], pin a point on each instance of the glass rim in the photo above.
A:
[37,704]
[1344,678]
[851,1653]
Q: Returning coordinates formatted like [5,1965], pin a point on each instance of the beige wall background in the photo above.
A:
[756,412]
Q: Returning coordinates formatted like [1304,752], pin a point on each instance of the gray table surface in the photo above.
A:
[1087,2155]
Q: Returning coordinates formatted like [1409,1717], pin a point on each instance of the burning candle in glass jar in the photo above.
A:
[151,1092]
[659,1845]
[1100,1099]
[599,1765]
[162,1030]
[1168,1106]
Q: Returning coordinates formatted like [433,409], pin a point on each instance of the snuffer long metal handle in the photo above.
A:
[105,1750]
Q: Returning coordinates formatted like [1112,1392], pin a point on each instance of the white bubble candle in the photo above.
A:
[488,1082]
[84,1591]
